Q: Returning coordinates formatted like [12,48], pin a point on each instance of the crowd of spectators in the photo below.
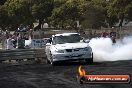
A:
[111,35]
[16,39]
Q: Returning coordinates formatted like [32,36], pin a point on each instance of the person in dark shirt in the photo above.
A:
[113,36]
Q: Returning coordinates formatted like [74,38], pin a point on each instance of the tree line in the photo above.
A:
[65,13]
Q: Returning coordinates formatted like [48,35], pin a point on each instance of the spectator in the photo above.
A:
[113,39]
[20,42]
[14,40]
[7,33]
[94,34]
[9,43]
[112,33]
[113,36]
[24,29]
[20,28]
[25,37]
[104,34]
[30,33]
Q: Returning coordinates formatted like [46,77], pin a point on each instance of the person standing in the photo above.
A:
[9,43]
[7,33]
[113,36]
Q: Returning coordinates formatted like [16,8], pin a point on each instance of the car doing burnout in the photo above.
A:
[68,47]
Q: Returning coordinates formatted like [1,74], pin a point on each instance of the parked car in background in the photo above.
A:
[68,47]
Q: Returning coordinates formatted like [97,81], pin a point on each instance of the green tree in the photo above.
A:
[41,10]
[19,12]
[4,19]
[95,14]
[120,9]
[2,2]
[67,12]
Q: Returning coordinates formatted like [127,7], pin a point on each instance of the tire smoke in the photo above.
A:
[105,50]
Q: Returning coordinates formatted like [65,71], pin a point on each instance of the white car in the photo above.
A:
[68,47]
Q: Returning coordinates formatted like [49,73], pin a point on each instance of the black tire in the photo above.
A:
[54,63]
[89,60]
[51,60]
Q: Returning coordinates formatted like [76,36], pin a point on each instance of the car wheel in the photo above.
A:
[53,63]
[89,60]
[47,59]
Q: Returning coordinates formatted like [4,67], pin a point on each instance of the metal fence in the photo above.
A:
[89,33]
[22,54]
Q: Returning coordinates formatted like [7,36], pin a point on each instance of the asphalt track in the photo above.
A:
[63,76]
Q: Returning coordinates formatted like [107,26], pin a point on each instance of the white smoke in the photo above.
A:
[105,50]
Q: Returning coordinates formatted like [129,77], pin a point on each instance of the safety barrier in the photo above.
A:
[22,55]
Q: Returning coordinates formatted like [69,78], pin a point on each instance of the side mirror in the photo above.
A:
[86,40]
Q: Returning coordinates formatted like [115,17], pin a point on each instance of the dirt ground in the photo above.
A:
[63,76]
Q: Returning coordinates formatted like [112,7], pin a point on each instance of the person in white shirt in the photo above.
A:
[9,43]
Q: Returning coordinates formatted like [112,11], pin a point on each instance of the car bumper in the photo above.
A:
[72,56]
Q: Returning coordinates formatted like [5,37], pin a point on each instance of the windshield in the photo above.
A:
[74,38]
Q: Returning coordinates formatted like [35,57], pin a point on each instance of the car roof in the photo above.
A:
[65,34]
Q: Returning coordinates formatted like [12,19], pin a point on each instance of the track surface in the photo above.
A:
[64,76]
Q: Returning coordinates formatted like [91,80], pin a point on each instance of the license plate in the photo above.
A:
[76,55]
